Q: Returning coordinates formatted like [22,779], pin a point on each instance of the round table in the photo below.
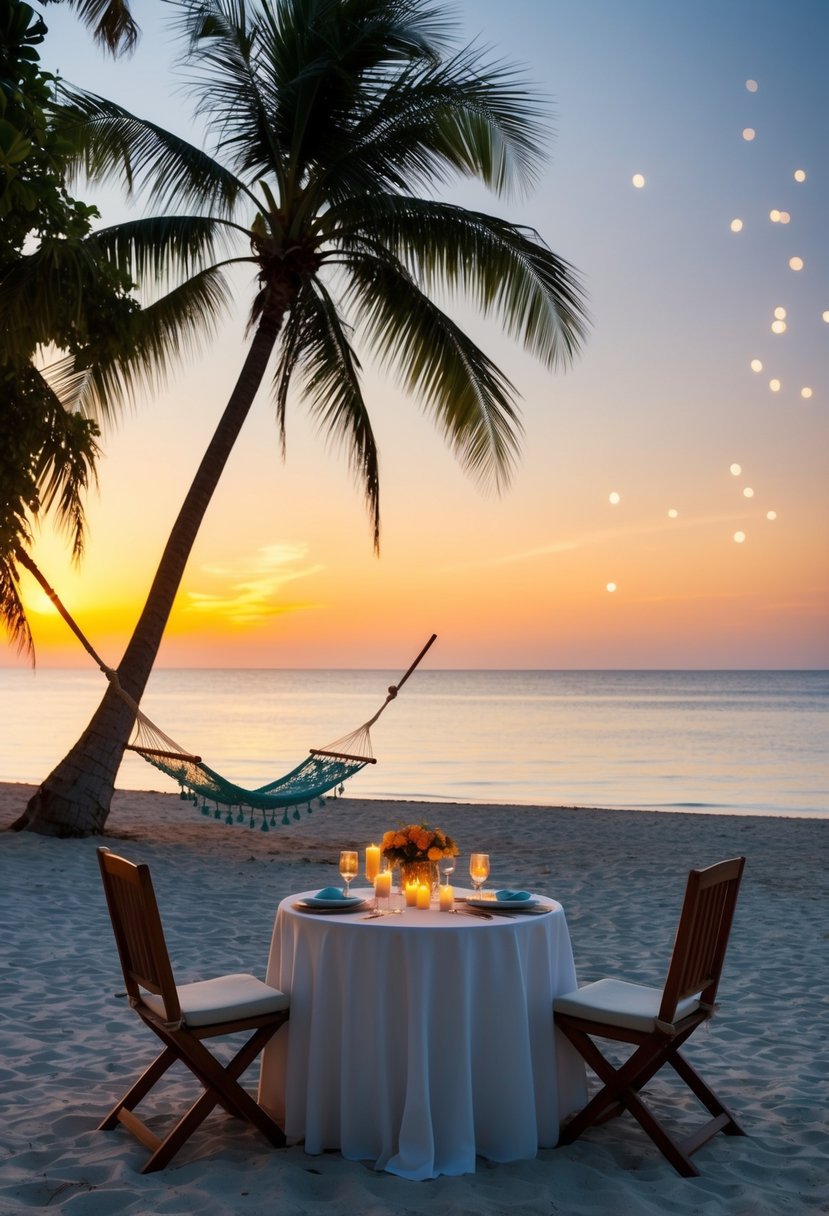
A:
[419,1040]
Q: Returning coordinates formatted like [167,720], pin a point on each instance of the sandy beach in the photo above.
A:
[69,1043]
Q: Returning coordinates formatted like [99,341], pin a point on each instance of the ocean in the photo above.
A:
[736,742]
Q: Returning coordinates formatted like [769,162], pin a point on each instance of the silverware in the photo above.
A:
[471,912]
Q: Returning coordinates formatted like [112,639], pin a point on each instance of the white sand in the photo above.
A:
[69,1045]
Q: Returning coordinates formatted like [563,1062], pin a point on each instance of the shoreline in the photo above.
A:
[27,788]
[69,1046]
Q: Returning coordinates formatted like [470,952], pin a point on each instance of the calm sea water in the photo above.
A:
[738,742]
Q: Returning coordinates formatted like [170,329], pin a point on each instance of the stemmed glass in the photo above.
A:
[478,869]
[448,869]
[349,867]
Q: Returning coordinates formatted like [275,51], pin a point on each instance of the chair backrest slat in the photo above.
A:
[139,934]
[702,935]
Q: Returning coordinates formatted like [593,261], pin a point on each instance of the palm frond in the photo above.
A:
[316,345]
[505,269]
[111,144]
[471,399]
[224,58]
[432,123]
[65,464]
[12,610]
[163,248]
[111,22]
[180,323]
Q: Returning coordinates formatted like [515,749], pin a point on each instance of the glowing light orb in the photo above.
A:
[748,492]
[739,537]
[796,263]
[826,316]
[748,134]
[778,327]
[736,470]
[673,513]
[800,175]
[756,365]
[752,86]
[780,313]
[806,392]
[614,498]
[638,180]
[736,225]
[771,515]
[774,385]
[785,218]
[774,216]
[611,587]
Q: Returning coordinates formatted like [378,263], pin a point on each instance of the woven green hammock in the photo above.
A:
[323,770]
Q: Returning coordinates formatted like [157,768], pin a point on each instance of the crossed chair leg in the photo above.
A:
[221,1087]
[620,1092]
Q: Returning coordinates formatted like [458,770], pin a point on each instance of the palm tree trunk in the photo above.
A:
[75,798]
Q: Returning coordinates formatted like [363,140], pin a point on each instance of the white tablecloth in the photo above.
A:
[419,1040]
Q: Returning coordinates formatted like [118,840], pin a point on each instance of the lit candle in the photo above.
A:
[424,894]
[382,884]
[446,899]
[410,892]
[372,862]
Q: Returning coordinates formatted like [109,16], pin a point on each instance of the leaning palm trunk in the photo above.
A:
[74,800]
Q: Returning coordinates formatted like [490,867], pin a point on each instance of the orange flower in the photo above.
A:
[417,842]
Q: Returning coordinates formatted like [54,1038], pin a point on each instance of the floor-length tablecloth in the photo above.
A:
[417,1041]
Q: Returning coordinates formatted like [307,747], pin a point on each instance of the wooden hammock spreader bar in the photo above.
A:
[320,751]
[156,751]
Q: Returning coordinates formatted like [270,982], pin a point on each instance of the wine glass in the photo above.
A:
[478,869]
[349,867]
[448,869]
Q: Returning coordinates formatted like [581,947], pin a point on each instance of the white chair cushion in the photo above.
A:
[226,999]
[618,1003]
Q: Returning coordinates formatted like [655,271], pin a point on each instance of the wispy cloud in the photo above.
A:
[252,586]
[601,536]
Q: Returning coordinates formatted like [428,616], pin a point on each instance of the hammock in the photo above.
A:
[323,769]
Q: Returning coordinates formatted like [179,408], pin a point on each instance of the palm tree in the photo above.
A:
[331,120]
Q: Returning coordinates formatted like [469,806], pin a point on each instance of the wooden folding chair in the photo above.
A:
[658,1021]
[182,1016]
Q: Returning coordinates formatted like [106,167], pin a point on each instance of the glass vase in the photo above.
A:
[427,872]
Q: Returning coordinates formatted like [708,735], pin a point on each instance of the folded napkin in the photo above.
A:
[330,893]
[512,896]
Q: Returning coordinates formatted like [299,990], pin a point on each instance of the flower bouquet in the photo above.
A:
[418,849]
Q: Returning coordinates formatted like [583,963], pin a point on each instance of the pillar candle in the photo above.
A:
[424,894]
[372,862]
[382,884]
[410,892]
[447,899]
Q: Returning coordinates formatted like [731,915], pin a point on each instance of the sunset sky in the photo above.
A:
[671,508]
